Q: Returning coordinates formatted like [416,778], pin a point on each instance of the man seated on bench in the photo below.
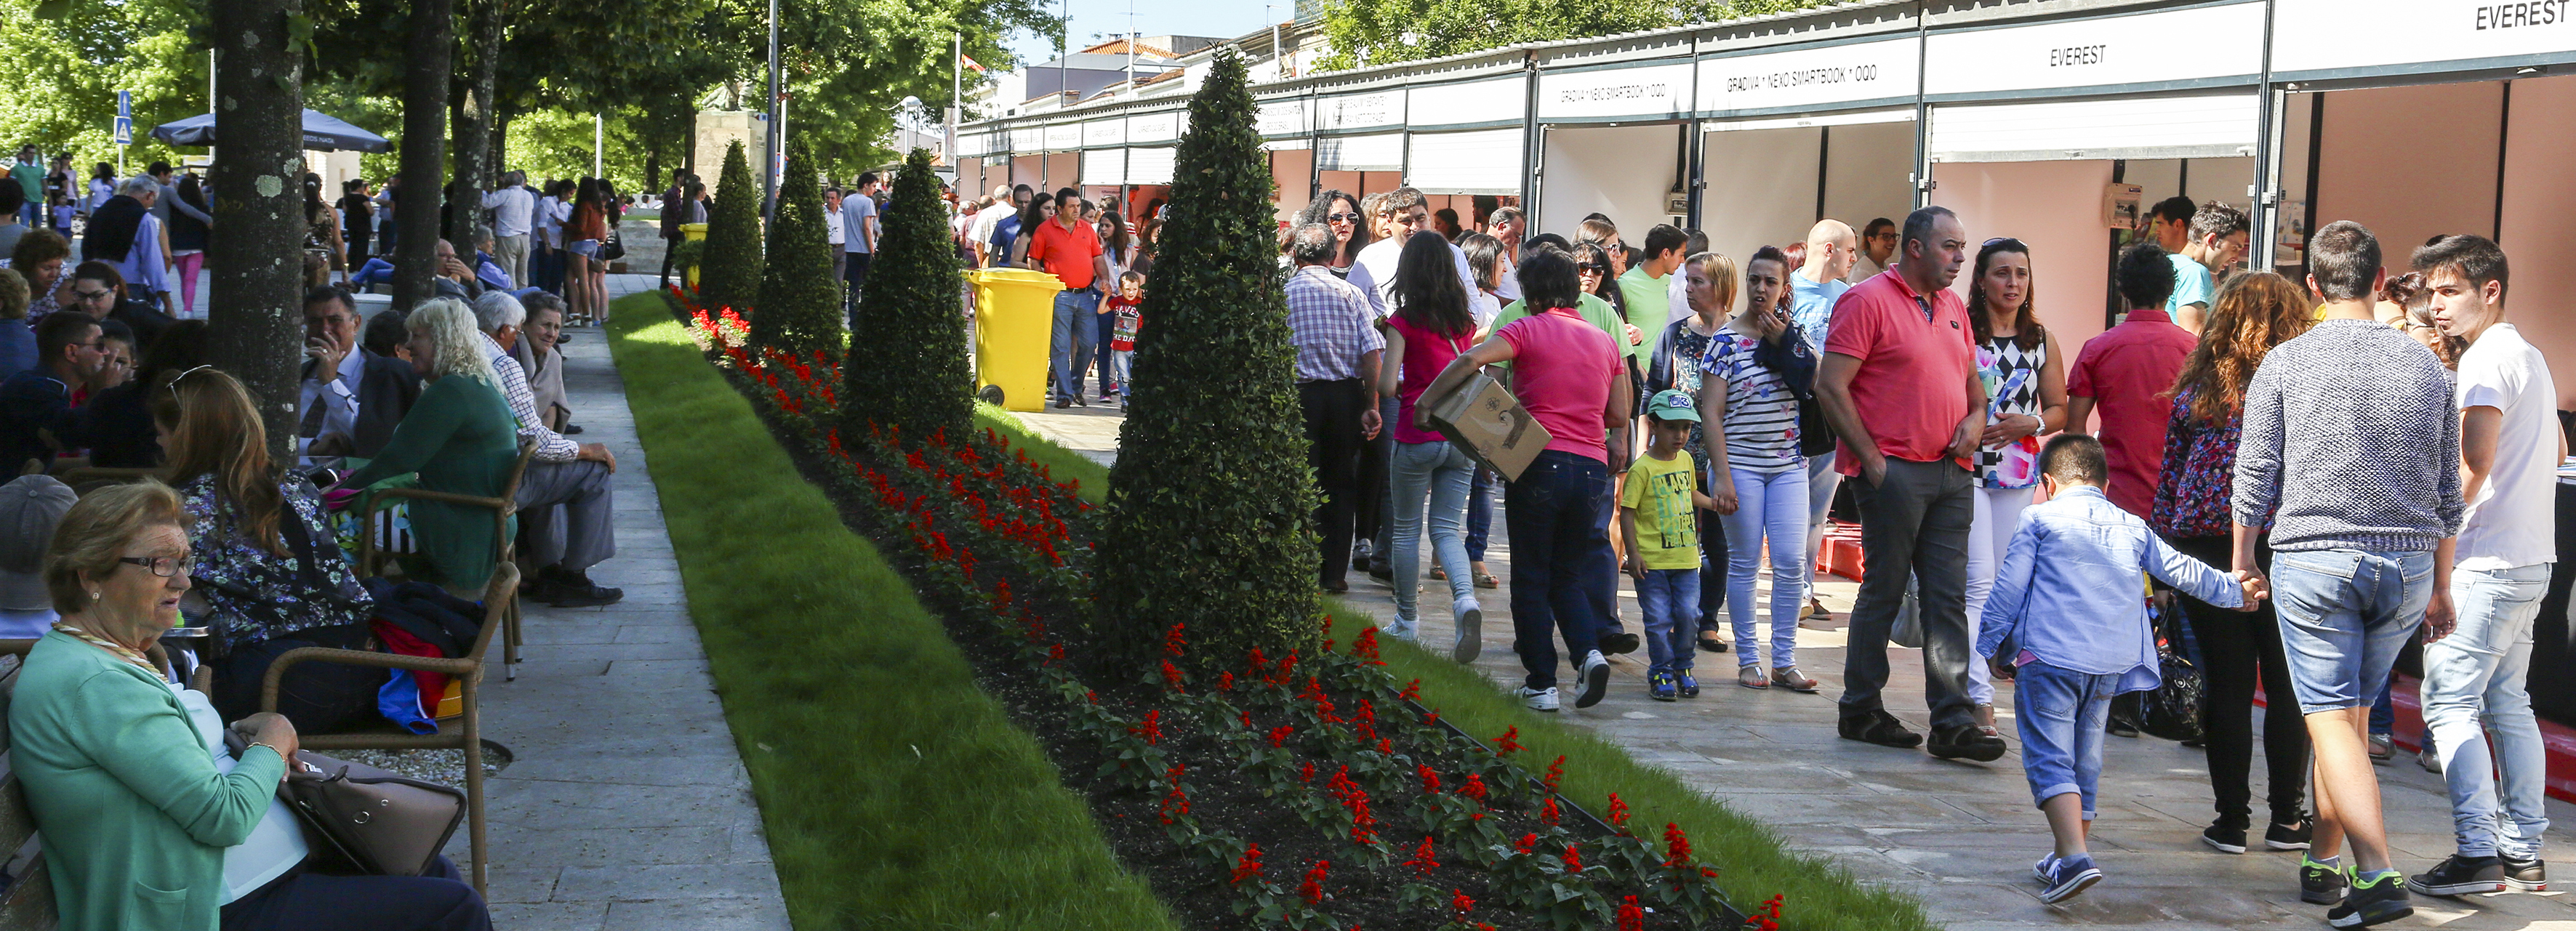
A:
[573,475]
[350,397]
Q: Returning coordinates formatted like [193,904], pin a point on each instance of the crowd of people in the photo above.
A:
[2286,481]
[1097,255]
[146,499]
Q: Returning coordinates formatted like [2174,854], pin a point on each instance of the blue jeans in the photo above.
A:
[2383,709]
[1121,362]
[1075,338]
[1769,507]
[2061,714]
[2475,677]
[2344,615]
[1441,472]
[1822,482]
[1669,598]
[1480,513]
[1560,559]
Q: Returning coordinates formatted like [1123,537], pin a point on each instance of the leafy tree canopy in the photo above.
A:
[1382,32]
[67,60]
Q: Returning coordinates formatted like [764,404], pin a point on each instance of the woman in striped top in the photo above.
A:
[1756,473]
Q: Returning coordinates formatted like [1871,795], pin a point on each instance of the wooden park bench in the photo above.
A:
[504,548]
[500,595]
[26,890]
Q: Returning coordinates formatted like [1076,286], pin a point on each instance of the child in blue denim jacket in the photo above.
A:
[2068,622]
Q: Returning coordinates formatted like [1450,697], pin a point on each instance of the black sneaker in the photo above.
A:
[2320,884]
[1878,727]
[576,590]
[1612,644]
[2526,875]
[2459,875]
[2121,727]
[2289,836]
[2228,838]
[1965,742]
[2382,900]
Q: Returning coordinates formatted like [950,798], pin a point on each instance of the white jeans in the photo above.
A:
[1998,513]
[2475,676]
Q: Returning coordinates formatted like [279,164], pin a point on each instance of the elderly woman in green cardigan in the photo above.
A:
[147,821]
[460,437]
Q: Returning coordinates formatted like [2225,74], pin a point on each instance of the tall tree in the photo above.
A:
[800,302]
[1210,514]
[258,313]
[476,125]
[907,362]
[729,274]
[427,64]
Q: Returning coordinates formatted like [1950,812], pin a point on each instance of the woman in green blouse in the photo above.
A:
[459,436]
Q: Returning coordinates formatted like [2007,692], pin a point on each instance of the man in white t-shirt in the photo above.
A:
[1401,214]
[513,209]
[834,233]
[2498,568]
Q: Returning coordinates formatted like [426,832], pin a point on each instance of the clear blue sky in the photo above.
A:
[1223,18]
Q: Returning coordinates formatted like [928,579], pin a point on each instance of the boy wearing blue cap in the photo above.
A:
[1659,517]
[2068,623]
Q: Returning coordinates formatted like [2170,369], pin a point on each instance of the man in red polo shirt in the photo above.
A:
[1899,386]
[2126,372]
[1070,250]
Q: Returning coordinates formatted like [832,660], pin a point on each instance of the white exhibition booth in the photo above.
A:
[2046,120]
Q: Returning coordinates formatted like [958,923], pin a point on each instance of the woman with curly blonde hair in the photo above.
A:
[459,436]
[2251,313]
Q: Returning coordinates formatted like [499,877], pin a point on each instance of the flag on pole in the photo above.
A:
[970,63]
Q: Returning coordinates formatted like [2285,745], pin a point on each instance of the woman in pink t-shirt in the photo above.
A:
[1568,375]
[1431,325]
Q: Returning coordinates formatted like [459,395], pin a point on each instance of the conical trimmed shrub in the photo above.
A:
[1210,518]
[907,364]
[800,301]
[729,272]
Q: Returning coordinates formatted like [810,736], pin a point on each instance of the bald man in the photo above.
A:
[1832,247]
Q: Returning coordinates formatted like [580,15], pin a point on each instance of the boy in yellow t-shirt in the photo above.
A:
[1658,517]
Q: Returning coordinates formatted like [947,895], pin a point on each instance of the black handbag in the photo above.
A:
[612,248]
[381,823]
[1790,355]
[2172,711]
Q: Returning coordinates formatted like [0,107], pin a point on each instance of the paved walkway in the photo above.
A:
[1962,835]
[627,806]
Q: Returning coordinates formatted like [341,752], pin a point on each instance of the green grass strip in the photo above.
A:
[1822,895]
[896,794]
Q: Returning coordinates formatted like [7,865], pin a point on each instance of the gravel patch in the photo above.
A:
[446,767]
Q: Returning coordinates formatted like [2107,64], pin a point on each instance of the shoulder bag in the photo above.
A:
[381,823]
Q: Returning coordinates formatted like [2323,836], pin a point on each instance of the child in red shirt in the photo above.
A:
[1122,330]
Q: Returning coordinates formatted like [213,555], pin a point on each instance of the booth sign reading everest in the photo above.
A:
[2315,40]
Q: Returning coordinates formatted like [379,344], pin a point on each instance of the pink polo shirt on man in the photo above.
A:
[2127,371]
[1912,387]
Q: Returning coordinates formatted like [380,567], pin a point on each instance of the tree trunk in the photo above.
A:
[474,124]
[258,261]
[424,151]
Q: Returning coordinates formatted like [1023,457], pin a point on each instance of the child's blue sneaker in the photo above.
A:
[2068,876]
[2039,870]
[1660,685]
[1683,683]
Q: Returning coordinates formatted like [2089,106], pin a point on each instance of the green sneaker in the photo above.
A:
[2377,899]
[2319,883]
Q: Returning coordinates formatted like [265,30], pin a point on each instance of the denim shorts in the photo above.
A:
[2344,614]
[586,248]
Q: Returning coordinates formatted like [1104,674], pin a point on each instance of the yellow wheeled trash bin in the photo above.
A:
[693,232]
[1014,321]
